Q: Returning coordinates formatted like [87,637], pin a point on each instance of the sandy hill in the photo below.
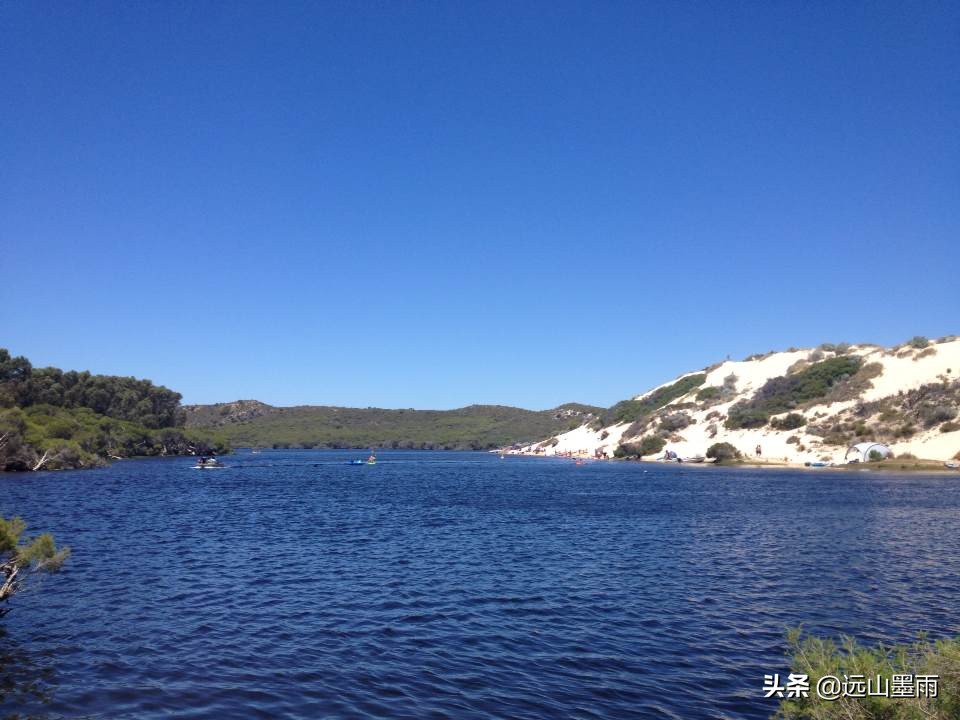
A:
[798,406]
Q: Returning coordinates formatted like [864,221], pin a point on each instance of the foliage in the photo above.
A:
[786,392]
[741,415]
[919,342]
[723,452]
[634,410]
[711,392]
[791,421]
[819,657]
[949,427]
[51,420]
[931,414]
[675,421]
[77,438]
[124,398]
[875,456]
[650,445]
[19,558]
[477,427]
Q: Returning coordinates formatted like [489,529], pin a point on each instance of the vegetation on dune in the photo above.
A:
[929,407]
[819,657]
[787,392]
[635,410]
[650,445]
[20,558]
[477,427]
[51,419]
[723,452]
[791,421]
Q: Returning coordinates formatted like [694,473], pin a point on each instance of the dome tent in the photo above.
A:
[861,451]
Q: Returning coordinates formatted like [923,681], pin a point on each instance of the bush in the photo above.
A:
[741,415]
[709,393]
[875,456]
[931,415]
[784,393]
[907,430]
[818,657]
[919,342]
[793,440]
[675,422]
[788,422]
[723,452]
[634,410]
[949,427]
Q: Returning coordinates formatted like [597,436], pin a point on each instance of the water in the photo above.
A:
[457,585]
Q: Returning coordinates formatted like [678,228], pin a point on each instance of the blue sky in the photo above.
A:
[437,204]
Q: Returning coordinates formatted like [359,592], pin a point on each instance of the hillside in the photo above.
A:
[252,423]
[51,419]
[798,406]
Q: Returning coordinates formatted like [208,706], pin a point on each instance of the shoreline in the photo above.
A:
[909,466]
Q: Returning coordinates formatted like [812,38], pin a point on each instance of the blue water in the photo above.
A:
[457,585]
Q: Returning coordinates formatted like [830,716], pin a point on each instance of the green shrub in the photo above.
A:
[709,393]
[875,456]
[931,415]
[788,422]
[649,445]
[786,392]
[919,342]
[675,421]
[907,430]
[741,415]
[818,657]
[723,452]
[652,444]
[949,427]
[634,410]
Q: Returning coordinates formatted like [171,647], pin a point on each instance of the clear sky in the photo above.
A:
[423,205]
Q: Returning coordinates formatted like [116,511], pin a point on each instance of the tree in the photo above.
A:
[19,560]
[723,452]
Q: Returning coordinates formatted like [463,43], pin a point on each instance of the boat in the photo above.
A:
[208,463]
[695,459]
[356,462]
[951,465]
[817,463]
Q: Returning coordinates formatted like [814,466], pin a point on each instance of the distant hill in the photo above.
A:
[477,427]
[795,406]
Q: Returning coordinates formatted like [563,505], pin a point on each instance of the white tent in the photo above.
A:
[862,451]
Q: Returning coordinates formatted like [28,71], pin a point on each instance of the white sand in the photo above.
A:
[902,373]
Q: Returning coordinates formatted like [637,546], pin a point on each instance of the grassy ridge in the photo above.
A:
[476,427]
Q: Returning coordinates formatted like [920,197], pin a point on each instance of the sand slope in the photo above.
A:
[900,369]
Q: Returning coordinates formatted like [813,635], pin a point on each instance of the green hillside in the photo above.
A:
[477,427]
[52,420]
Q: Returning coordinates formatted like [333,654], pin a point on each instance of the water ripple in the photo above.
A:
[459,586]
